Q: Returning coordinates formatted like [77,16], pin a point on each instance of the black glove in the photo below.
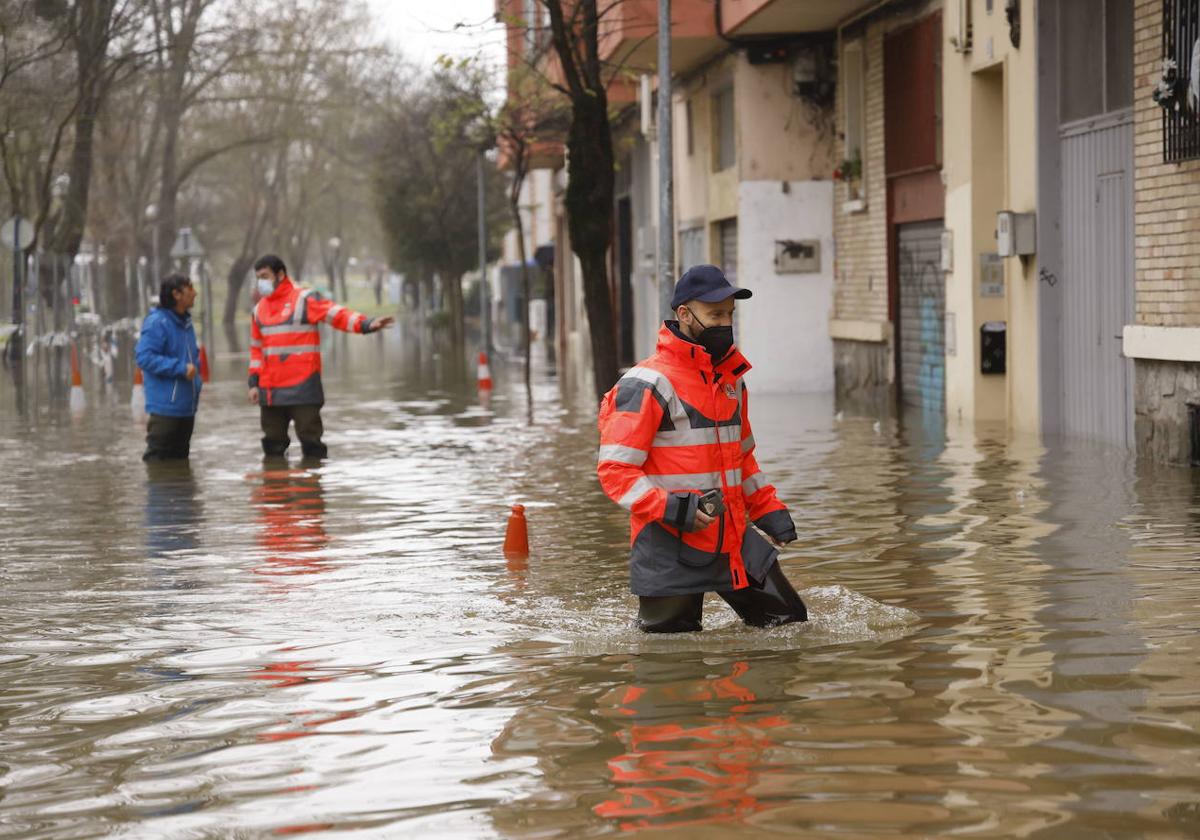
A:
[681,511]
[777,525]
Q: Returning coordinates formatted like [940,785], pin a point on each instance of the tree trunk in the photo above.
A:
[452,286]
[589,204]
[525,287]
[234,282]
[168,192]
[91,51]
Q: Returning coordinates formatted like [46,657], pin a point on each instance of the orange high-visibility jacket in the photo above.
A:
[285,345]
[672,428]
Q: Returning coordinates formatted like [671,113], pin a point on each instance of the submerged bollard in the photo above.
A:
[78,401]
[137,399]
[516,538]
[484,374]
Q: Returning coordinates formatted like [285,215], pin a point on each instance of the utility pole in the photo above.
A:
[485,309]
[666,163]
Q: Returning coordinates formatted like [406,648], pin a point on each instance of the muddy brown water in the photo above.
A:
[1003,639]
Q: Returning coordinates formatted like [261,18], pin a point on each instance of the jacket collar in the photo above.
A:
[282,290]
[683,351]
[182,320]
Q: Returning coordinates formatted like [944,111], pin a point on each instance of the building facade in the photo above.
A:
[1163,340]
[981,210]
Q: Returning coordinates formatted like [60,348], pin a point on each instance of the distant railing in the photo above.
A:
[61,310]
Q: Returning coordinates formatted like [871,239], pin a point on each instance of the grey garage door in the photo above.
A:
[922,342]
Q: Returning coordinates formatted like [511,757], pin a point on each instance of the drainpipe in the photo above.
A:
[666,163]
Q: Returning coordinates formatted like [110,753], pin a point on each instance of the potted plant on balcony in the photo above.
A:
[849,171]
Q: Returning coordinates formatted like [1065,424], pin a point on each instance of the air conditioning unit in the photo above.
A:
[646,105]
[961,40]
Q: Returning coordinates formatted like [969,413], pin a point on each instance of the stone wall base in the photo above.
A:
[1162,393]
[860,368]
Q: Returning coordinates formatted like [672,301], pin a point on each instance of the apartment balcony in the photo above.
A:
[629,35]
[763,18]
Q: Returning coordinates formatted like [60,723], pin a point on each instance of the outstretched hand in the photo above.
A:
[382,323]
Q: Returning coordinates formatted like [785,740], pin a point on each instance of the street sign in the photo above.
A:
[186,246]
[16,234]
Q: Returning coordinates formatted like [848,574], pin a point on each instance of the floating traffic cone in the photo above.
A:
[137,400]
[203,364]
[516,538]
[484,376]
[78,401]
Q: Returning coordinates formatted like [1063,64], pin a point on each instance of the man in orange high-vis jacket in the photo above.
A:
[285,356]
[674,428]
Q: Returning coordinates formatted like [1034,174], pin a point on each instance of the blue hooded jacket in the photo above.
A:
[165,347]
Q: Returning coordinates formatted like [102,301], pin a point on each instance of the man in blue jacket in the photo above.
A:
[168,355]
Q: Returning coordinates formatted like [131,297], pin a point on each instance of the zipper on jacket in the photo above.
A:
[174,388]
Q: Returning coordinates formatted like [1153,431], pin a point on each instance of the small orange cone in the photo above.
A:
[77,401]
[516,538]
[484,376]
[203,364]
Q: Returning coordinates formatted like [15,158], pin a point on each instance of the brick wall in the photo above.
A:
[1166,196]
[860,278]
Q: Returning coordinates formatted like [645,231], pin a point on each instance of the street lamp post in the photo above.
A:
[666,163]
[338,288]
[485,304]
[152,218]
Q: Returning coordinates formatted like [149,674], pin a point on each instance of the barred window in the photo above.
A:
[1181,45]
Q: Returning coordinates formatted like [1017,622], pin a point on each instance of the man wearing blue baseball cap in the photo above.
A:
[677,452]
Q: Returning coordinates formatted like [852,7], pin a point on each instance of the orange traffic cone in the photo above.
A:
[78,401]
[203,364]
[137,399]
[484,376]
[516,538]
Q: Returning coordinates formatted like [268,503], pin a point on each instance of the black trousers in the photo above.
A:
[275,420]
[168,438]
[766,603]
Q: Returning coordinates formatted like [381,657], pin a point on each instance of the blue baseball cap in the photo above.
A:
[705,283]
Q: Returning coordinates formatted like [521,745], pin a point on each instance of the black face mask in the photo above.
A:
[716,341]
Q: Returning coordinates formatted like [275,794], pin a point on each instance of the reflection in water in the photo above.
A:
[290,505]
[174,513]
[1003,642]
[682,767]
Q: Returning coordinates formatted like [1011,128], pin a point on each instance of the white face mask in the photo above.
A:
[265,287]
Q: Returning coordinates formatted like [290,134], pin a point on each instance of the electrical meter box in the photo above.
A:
[1016,234]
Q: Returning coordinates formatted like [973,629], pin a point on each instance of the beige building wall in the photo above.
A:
[860,324]
[861,269]
[777,187]
[989,164]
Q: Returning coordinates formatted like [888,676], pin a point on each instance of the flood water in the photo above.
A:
[1003,639]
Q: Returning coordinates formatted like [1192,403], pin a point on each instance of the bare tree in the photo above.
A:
[574,30]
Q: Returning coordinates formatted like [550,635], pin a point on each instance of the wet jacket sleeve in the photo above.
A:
[629,418]
[762,503]
[256,352]
[152,350]
[318,309]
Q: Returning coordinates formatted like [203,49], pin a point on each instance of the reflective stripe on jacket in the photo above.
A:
[674,427]
[285,343]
